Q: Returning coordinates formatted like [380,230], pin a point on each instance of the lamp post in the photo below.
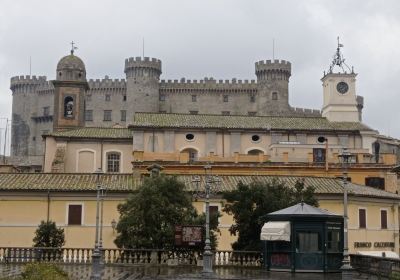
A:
[97,254]
[207,255]
[346,266]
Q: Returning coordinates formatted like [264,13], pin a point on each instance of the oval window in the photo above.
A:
[189,136]
[255,138]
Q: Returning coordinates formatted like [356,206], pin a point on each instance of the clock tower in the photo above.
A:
[340,99]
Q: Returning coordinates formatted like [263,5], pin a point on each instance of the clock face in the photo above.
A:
[342,87]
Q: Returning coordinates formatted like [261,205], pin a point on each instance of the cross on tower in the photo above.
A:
[73,48]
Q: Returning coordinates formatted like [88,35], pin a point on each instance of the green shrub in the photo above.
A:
[395,276]
[43,271]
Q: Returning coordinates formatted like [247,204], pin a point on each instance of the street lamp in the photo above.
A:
[209,181]
[97,254]
[346,268]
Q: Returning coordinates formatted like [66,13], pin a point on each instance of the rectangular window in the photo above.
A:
[375,182]
[123,115]
[194,98]
[252,113]
[193,112]
[319,155]
[226,98]
[384,219]
[89,115]
[107,115]
[274,96]
[162,97]
[89,97]
[124,98]
[46,111]
[213,210]
[113,162]
[362,218]
[75,214]
[252,98]
[108,97]
[226,113]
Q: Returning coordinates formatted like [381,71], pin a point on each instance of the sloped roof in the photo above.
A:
[93,133]
[301,209]
[160,120]
[129,183]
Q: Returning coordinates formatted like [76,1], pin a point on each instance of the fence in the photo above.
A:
[128,256]
[380,266]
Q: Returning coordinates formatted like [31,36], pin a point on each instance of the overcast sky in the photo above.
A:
[220,39]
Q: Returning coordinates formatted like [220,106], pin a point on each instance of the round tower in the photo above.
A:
[273,86]
[24,107]
[142,84]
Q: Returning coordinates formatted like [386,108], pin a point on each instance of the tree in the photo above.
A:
[148,217]
[250,203]
[48,235]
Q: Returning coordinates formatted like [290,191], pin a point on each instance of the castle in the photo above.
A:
[108,102]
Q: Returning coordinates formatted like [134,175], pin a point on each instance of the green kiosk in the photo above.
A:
[303,238]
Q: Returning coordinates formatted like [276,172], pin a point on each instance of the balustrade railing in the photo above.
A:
[380,266]
[128,256]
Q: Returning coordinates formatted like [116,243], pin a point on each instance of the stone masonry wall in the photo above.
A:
[33,100]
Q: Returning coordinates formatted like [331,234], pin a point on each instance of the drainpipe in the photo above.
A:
[48,205]
[101,154]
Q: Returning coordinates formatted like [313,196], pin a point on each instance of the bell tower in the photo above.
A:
[69,92]
[339,89]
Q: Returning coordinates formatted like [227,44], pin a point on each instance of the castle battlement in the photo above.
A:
[305,112]
[45,87]
[275,65]
[139,62]
[23,83]
[107,83]
[209,83]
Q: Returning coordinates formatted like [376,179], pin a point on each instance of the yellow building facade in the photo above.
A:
[27,199]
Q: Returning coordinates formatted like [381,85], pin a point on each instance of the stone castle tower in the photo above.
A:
[273,86]
[142,84]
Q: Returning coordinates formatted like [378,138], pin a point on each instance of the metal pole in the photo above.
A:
[101,227]
[96,256]
[346,266]
[207,256]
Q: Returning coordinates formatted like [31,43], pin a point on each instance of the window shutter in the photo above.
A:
[362,218]
[74,214]
[383,219]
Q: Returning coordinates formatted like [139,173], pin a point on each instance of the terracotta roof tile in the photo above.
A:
[159,120]
[129,183]
[94,132]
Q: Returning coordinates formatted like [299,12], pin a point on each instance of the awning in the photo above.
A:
[276,231]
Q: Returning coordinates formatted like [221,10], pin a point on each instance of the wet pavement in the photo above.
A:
[82,272]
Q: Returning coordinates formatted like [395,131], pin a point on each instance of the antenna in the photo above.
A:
[143,47]
[273,48]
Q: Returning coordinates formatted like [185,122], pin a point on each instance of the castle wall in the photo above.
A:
[142,91]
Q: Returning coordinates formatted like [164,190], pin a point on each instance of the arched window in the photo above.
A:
[192,154]
[113,162]
[255,152]
[69,107]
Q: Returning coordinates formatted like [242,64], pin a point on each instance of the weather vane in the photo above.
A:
[338,59]
[73,48]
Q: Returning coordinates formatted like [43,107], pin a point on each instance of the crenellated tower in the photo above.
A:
[142,84]
[273,86]
[22,128]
